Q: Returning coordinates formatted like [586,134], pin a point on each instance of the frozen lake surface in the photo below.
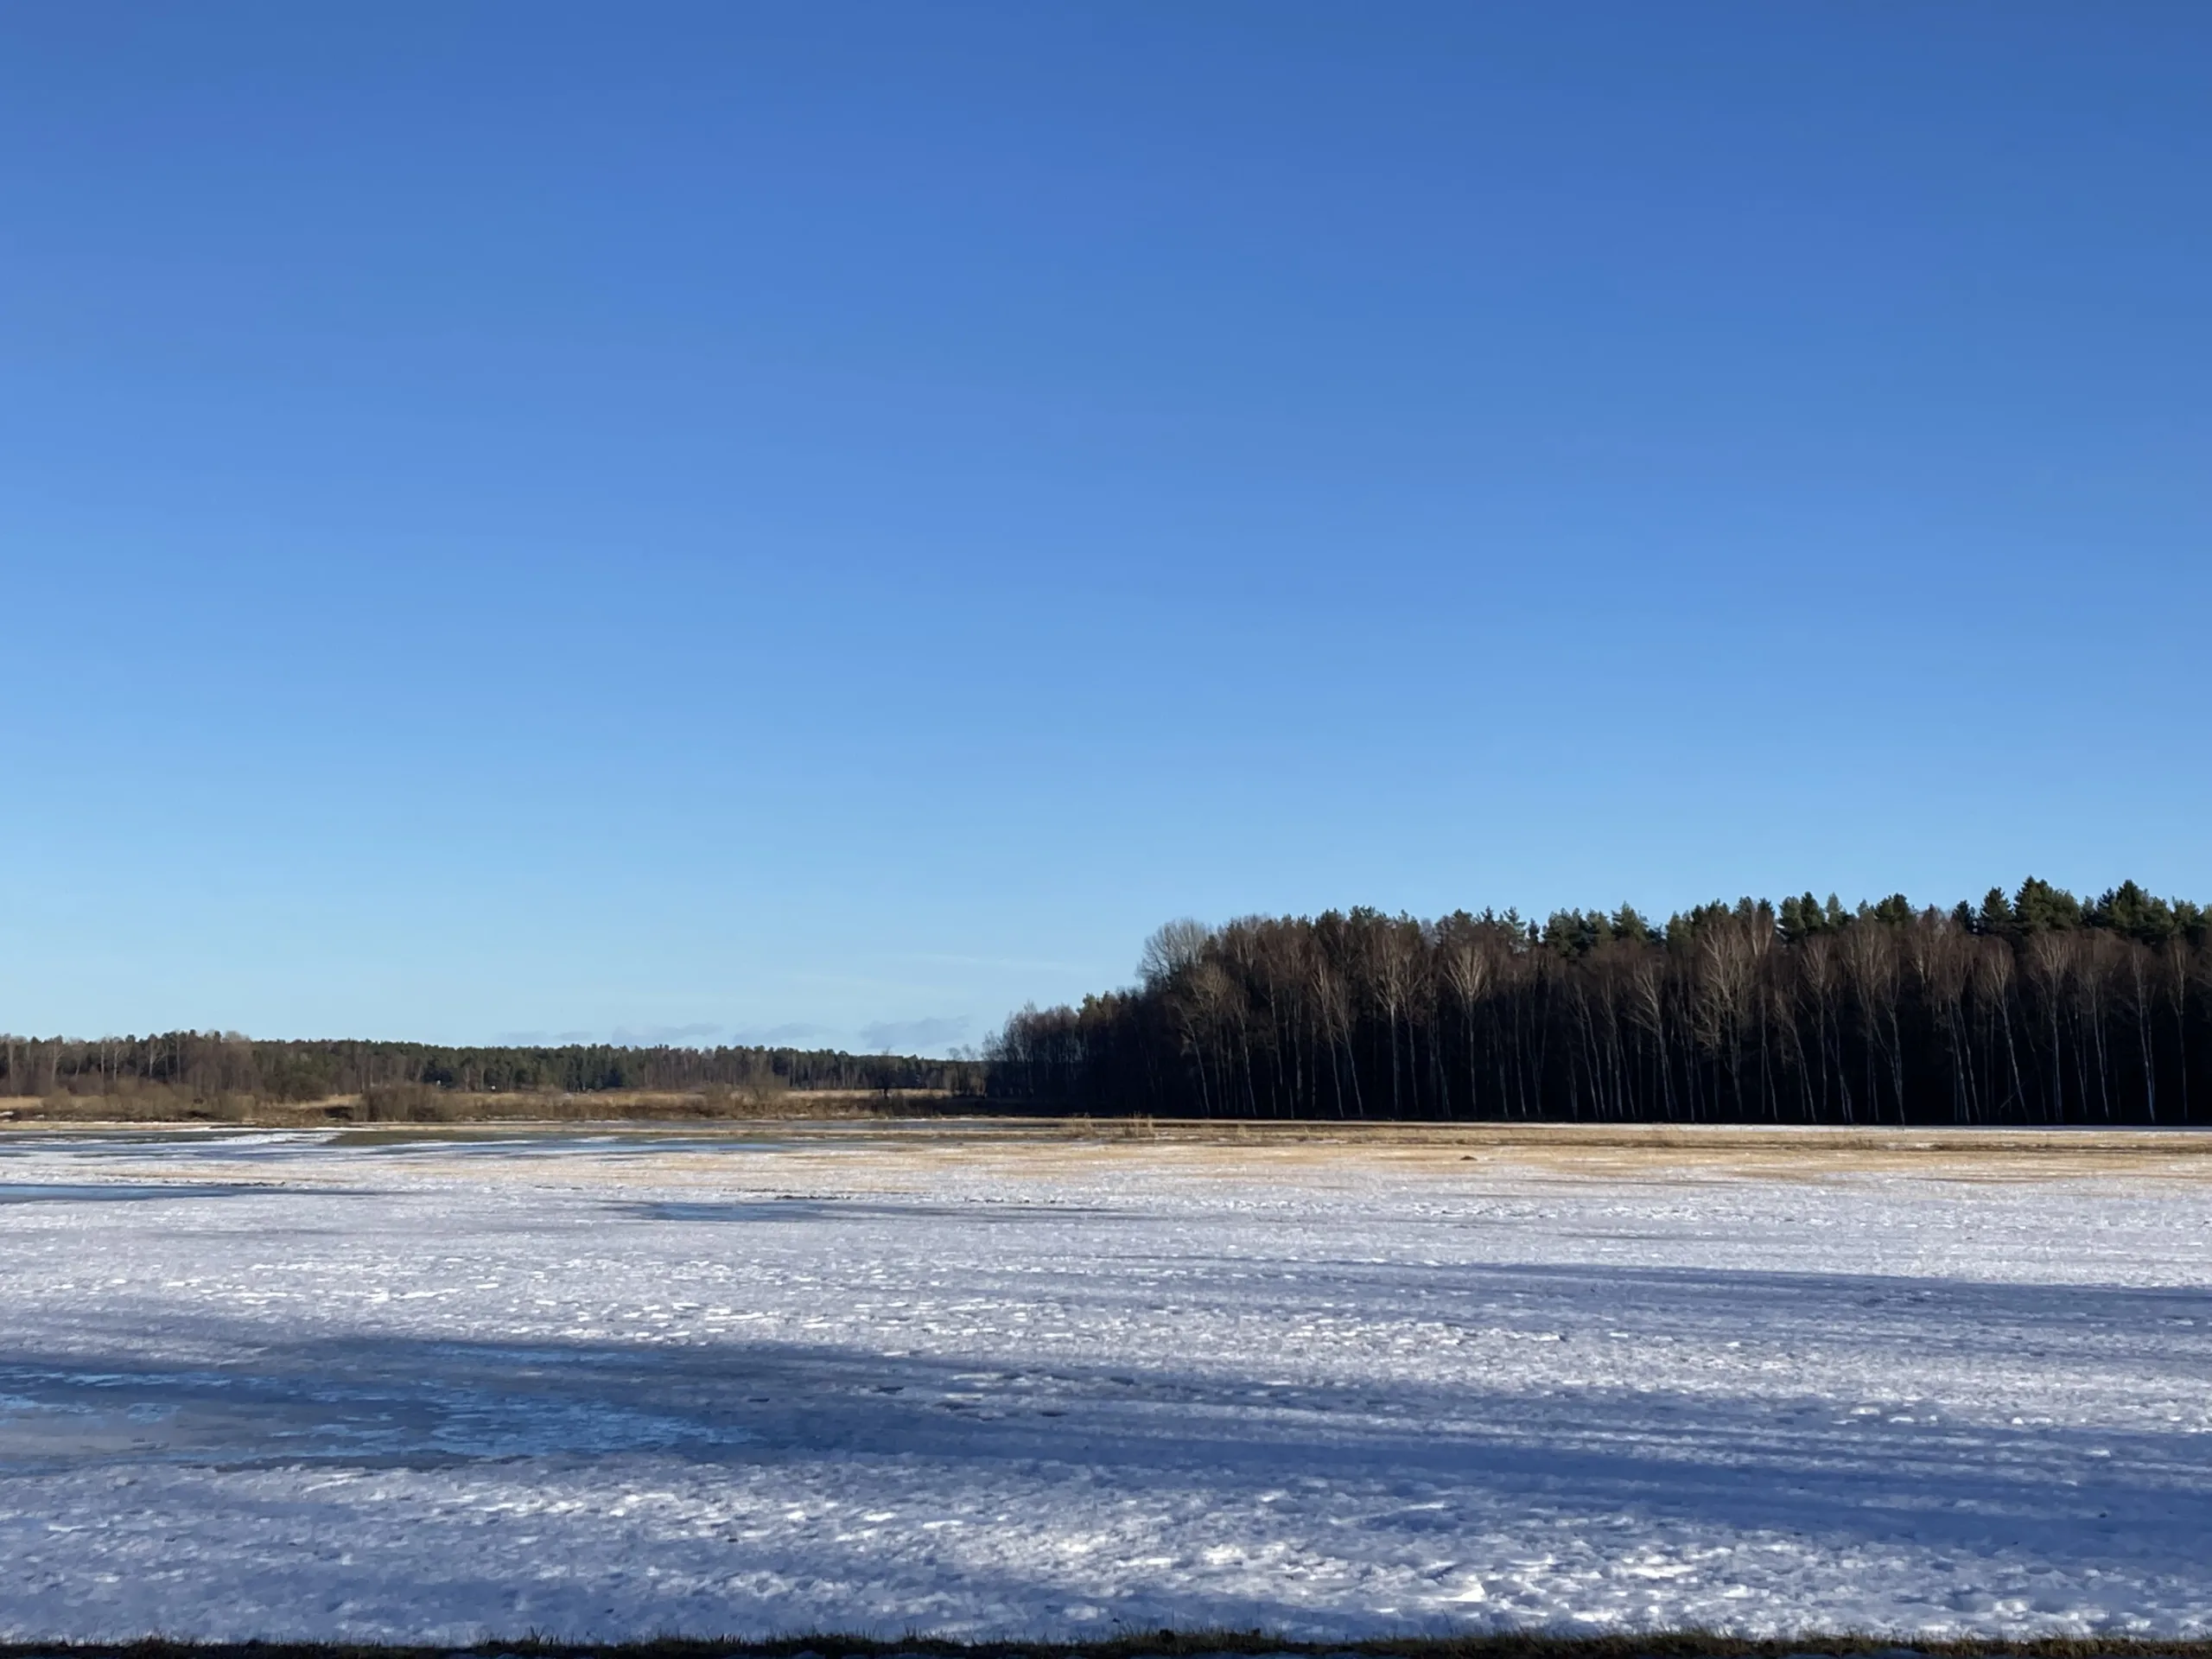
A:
[302,1385]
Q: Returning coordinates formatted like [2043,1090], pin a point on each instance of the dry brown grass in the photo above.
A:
[406,1104]
[852,1132]
[1642,1151]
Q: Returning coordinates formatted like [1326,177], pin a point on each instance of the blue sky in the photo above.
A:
[828,522]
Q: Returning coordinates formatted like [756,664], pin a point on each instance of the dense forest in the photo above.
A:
[2030,1008]
[195,1067]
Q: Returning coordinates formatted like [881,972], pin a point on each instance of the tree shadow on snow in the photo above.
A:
[1458,1456]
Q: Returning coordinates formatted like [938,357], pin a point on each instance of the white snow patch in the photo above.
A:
[279,1387]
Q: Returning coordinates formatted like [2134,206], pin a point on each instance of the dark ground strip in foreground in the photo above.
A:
[1174,1645]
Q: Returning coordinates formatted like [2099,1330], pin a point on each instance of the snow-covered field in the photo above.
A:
[310,1385]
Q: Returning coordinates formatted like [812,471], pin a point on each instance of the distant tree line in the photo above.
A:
[205,1065]
[2028,1007]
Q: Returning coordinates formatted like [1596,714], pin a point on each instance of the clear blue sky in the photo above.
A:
[832,521]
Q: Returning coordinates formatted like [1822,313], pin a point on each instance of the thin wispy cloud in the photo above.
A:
[915,1036]
[1018,964]
[654,1036]
[792,1034]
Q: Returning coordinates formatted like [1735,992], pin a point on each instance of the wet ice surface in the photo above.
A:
[436,1390]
